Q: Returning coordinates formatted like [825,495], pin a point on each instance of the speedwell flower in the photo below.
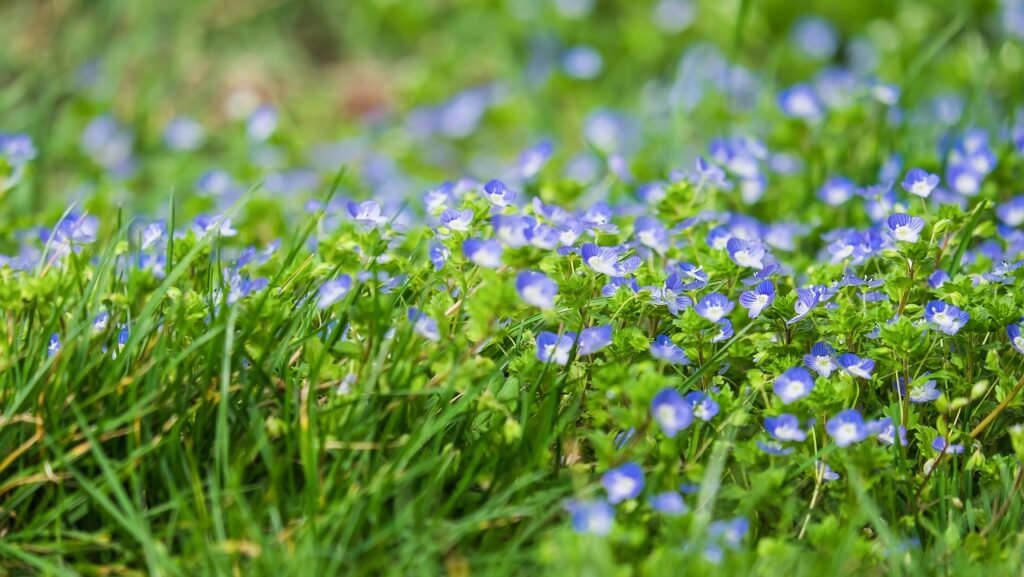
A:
[946,317]
[536,289]
[623,483]
[821,360]
[847,428]
[671,411]
[664,349]
[761,297]
[794,384]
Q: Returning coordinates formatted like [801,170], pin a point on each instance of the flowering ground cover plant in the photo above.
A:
[786,342]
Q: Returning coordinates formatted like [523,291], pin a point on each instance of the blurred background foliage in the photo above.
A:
[411,93]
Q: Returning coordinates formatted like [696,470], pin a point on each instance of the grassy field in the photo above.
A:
[483,287]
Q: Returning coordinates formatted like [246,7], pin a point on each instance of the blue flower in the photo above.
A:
[946,317]
[591,517]
[100,323]
[938,278]
[857,366]
[17,149]
[594,339]
[262,123]
[887,432]
[923,392]
[847,428]
[671,411]
[554,348]
[905,228]
[485,253]
[367,214]
[333,291]
[785,427]
[184,133]
[623,483]
[214,223]
[669,503]
[651,233]
[1011,212]
[670,296]
[692,276]
[729,532]
[801,101]
[793,385]
[826,472]
[703,407]
[714,306]
[605,260]
[964,180]
[748,253]
[455,219]
[821,359]
[582,62]
[515,230]
[725,331]
[836,190]
[423,325]
[758,299]
[774,448]
[536,289]
[533,159]
[920,183]
[53,346]
[664,349]
[1013,332]
[615,283]
[940,444]
[499,194]
[438,255]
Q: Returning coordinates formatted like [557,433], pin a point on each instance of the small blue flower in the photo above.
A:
[515,230]
[333,291]
[533,159]
[623,483]
[367,214]
[758,299]
[940,444]
[714,306]
[905,228]
[485,253]
[793,385]
[669,295]
[704,407]
[946,317]
[262,123]
[826,472]
[17,149]
[887,432]
[669,503]
[554,348]
[536,289]
[847,428]
[594,339]
[152,233]
[582,62]
[837,190]
[499,194]
[857,366]
[693,277]
[53,347]
[785,427]
[729,532]
[801,101]
[774,448]
[184,133]
[438,255]
[423,325]
[1011,212]
[591,517]
[963,179]
[651,233]
[1013,332]
[922,392]
[920,183]
[215,223]
[671,411]
[664,349]
[455,219]
[100,323]
[821,359]
[938,278]
[605,260]
[747,253]
[724,333]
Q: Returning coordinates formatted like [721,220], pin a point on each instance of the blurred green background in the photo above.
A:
[411,93]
